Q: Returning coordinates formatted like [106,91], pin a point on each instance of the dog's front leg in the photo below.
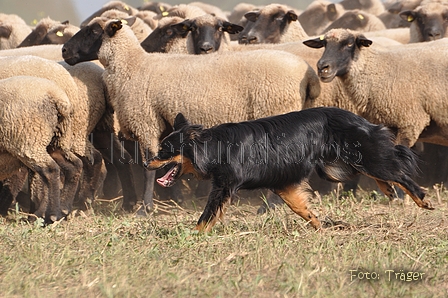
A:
[296,197]
[218,200]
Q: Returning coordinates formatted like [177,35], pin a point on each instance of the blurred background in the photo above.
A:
[77,10]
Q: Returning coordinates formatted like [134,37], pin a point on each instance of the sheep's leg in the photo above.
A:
[49,175]
[215,209]
[93,175]
[148,189]
[71,168]
[11,188]
[296,197]
[122,161]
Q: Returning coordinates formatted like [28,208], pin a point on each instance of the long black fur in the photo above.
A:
[280,151]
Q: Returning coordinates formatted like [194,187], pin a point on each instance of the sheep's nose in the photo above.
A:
[253,39]
[242,40]
[206,49]
[434,34]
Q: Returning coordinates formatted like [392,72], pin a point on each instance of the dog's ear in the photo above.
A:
[180,121]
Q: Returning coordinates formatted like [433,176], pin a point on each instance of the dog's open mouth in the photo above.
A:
[170,177]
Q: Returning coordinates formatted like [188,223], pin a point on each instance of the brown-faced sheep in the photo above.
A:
[268,82]
[13,30]
[35,121]
[384,90]
[318,15]
[274,23]
[428,21]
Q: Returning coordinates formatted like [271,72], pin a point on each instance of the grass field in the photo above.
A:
[382,249]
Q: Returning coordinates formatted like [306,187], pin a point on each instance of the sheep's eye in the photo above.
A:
[279,19]
[349,45]
[169,32]
[219,29]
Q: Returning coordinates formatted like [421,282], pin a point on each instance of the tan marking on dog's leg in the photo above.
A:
[386,188]
[207,226]
[296,197]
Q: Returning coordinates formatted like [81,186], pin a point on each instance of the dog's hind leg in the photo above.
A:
[217,203]
[296,197]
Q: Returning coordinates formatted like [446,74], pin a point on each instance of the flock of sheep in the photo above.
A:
[82,104]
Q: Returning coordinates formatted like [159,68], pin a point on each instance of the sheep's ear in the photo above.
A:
[113,27]
[66,22]
[180,121]
[315,43]
[251,16]
[291,16]
[183,27]
[231,28]
[408,15]
[332,13]
[129,21]
[362,41]
[5,31]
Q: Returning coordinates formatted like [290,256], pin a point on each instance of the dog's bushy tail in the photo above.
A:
[409,160]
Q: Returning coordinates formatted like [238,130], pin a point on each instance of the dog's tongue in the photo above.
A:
[168,179]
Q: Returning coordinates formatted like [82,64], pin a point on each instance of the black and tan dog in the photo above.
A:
[280,153]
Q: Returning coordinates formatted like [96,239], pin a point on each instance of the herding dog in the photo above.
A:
[280,153]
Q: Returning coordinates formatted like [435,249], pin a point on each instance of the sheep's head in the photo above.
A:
[268,24]
[85,45]
[206,31]
[430,20]
[340,49]
[163,37]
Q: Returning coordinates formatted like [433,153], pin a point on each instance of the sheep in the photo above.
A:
[428,21]
[49,51]
[374,7]
[357,20]
[210,9]
[117,5]
[140,28]
[38,146]
[318,15]
[148,17]
[244,85]
[207,33]
[48,31]
[13,30]
[157,7]
[398,34]
[164,39]
[274,23]
[384,90]
[239,11]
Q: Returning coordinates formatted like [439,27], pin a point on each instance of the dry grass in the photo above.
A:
[107,253]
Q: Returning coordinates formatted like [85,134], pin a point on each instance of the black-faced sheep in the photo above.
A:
[13,30]
[274,23]
[48,31]
[380,84]
[35,121]
[428,21]
[268,82]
